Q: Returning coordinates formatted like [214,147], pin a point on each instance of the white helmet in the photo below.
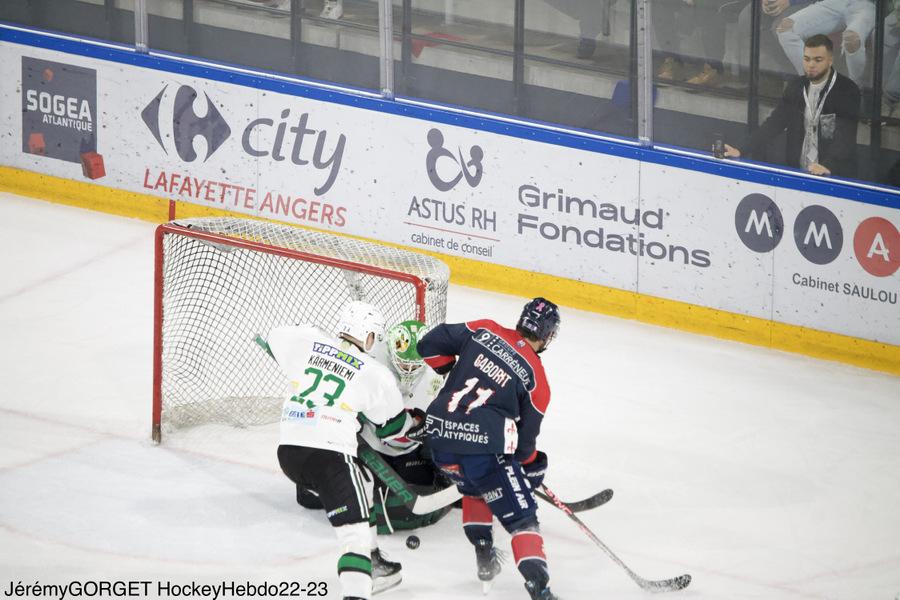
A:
[358,320]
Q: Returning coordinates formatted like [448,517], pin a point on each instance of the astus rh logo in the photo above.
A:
[471,169]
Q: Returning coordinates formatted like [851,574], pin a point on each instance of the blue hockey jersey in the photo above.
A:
[495,396]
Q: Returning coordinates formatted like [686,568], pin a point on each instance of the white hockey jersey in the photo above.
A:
[331,383]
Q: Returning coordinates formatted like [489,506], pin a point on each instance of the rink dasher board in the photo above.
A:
[610,218]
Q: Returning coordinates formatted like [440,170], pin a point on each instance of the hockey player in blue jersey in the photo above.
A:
[482,430]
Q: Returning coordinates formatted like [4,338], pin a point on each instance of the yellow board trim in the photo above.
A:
[488,276]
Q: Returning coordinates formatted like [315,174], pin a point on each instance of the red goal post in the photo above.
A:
[220,281]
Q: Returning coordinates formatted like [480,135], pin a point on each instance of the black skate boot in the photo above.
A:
[385,573]
[490,562]
[539,591]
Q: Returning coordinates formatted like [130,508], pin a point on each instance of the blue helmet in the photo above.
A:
[539,321]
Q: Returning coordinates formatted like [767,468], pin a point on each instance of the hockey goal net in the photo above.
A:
[221,281]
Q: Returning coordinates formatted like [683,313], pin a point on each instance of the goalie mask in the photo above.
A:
[401,341]
[360,320]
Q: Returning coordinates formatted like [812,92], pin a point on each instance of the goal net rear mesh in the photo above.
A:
[222,281]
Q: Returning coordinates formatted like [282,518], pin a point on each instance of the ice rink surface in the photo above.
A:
[764,475]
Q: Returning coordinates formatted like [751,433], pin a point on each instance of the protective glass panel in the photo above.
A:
[456,52]
[102,19]
[578,64]
[330,40]
[700,71]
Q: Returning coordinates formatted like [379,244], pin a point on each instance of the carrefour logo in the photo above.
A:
[818,235]
[183,115]
[187,125]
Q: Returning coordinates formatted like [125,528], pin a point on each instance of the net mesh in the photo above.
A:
[216,297]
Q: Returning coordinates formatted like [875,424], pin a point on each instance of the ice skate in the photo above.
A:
[490,562]
[385,573]
[539,592]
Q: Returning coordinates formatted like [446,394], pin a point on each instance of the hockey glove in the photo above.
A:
[416,432]
[412,433]
[535,470]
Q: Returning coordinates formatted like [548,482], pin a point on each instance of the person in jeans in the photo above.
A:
[855,17]
[772,13]
[891,62]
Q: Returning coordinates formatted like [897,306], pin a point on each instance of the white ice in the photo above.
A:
[764,475]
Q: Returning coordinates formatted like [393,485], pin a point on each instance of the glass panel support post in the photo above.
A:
[386,35]
[644,41]
[141,32]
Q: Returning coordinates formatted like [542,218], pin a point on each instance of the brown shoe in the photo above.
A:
[708,77]
[669,70]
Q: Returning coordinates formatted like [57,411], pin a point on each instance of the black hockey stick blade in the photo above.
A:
[663,585]
[668,585]
[598,499]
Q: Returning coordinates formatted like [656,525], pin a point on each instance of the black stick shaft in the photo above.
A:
[666,585]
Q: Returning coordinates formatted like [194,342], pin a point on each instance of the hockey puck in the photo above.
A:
[412,542]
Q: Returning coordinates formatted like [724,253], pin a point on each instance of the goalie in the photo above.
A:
[419,384]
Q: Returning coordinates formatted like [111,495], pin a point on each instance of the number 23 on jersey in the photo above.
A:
[321,386]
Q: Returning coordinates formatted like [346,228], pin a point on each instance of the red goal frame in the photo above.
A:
[175,229]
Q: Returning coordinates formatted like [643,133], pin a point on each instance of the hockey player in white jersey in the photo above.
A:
[334,384]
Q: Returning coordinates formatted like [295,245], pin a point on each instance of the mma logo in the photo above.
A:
[187,125]
[817,232]
[759,223]
[818,235]
[877,246]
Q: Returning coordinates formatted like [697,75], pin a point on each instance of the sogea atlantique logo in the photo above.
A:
[59,113]
[819,237]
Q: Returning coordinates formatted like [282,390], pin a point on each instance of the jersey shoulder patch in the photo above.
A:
[488,324]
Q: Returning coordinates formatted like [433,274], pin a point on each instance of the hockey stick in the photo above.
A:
[420,504]
[665,585]
[598,499]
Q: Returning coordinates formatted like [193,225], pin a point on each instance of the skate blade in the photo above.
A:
[381,584]
[486,587]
